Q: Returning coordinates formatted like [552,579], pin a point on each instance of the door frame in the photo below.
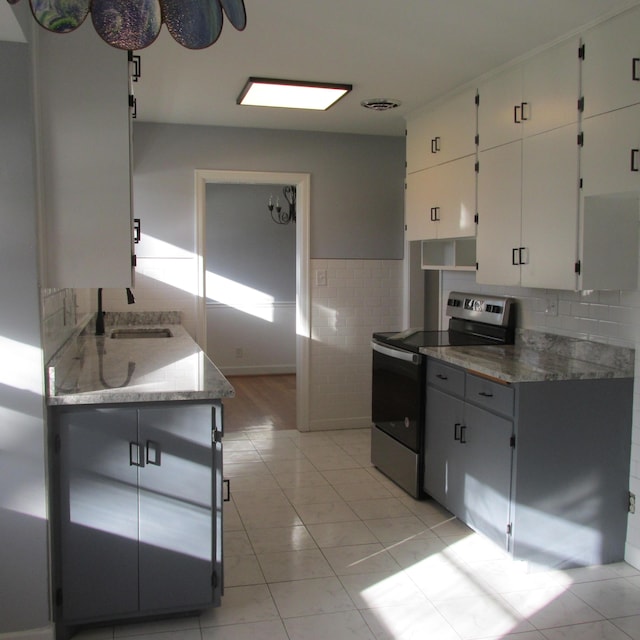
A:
[302,182]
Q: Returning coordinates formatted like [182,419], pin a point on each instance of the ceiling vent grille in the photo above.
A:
[380,104]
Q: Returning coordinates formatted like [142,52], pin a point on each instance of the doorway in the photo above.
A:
[303,318]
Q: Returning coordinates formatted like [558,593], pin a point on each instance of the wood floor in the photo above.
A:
[261,403]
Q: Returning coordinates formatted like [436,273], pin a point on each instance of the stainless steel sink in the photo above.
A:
[131,333]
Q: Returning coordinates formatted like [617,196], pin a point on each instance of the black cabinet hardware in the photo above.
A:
[634,159]
[137,230]
[227,482]
[135,460]
[635,72]
[441,376]
[484,394]
[153,453]
[456,435]
[463,431]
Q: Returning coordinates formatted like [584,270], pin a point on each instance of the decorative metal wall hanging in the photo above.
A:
[277,213]
[135,24]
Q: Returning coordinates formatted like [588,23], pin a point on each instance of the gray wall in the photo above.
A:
[23,524]
[245,245]
[357,182]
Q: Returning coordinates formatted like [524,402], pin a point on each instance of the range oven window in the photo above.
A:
[397,397]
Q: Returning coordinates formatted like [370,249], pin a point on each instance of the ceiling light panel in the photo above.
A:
[291,94]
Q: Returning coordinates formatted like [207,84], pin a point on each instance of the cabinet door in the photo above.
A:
[551,88]
[499,110]
[486,481]
[610,158]
[611,65]
[98,513]
[454,198]
[83,89]
[444,416]
[420,219]
[442,134]
[176,507]
[499,211]
[550,209]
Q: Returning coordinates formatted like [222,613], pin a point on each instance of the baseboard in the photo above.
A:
[46,633]
[267,370]
[632,555]
[363,422]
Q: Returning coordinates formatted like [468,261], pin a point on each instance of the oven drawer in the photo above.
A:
[445,377]
[491,395]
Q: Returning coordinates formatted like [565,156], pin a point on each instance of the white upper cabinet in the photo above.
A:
[611,65]
[441,201]
[82,89]
[535,96]
[442,134]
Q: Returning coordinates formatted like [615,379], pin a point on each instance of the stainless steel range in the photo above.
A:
[399,386]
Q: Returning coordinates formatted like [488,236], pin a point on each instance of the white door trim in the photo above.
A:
[302,181]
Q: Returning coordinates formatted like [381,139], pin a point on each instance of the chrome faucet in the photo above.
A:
[100,314]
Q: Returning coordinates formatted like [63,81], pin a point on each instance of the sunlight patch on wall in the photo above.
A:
[239,296]
[19,363]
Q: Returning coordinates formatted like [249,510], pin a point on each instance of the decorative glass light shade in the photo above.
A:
[135,24]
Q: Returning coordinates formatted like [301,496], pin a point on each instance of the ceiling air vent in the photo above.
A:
[380,104]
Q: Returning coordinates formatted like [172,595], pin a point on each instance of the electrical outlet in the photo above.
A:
[551,305]
[239,352]
[321,278]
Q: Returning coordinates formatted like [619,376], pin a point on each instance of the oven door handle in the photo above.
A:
[398,354]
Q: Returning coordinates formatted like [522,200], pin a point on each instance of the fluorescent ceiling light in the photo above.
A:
[291,94]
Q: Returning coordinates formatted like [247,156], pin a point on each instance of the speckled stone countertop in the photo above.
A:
[93,369]
[538,356]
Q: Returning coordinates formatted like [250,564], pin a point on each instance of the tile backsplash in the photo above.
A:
[59,318]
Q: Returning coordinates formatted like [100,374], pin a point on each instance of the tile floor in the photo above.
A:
[320,546]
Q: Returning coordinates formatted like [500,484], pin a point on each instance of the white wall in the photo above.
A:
[24,580]
[612,317]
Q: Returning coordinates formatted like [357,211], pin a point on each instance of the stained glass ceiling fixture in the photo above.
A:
[135,24]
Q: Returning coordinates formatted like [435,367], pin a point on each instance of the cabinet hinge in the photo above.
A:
[136,74]
[133,105]
[476,266]
[581,52]
[476,218]
[581,139]
[405,186]
[512,442]
[577,267]
[134,260]
[478,99]
[214,579]
[405,132]
[580,183]
[581,104]
[477,139]
[59,597]
[509,529]
[477,167]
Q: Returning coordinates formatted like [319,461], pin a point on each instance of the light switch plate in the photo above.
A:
[321,277]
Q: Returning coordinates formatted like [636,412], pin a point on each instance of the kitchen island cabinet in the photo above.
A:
[136,430]
[539,467]
[137,507]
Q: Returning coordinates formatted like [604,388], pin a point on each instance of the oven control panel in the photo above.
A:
[473,306]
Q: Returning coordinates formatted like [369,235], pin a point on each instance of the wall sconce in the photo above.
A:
[278,215]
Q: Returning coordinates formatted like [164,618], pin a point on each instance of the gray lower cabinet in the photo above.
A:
[541,468]
[138,510]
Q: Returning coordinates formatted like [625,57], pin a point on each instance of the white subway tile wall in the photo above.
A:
[58,308]
[359,297]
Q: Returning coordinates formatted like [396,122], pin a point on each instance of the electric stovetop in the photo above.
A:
[413,339]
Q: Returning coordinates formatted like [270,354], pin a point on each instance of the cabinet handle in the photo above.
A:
[435,212]
[521,252]
[484,394]
[456,435]
[436,140]
[522,111]
[635,73]
[432,213]
[441,376]
[434,145]
[134,455]
[153,449]
[516,115]
[634,159]
[227,482]
[514,257]
[463,431]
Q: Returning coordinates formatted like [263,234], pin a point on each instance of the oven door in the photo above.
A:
[397,394]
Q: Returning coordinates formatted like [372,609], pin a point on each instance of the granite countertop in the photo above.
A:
[93,369]
[538,356]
